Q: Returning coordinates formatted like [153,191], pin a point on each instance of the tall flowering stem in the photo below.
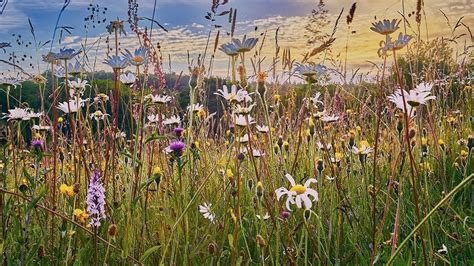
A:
[410,154]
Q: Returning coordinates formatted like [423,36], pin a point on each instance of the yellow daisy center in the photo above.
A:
[299,189]
[137,59]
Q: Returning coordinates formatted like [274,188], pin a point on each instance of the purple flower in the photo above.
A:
[177,147]
[37,144]
[285,214]
[96,200]
[178,131]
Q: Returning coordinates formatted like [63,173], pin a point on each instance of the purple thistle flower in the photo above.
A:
[37,144]
[96,200]
[178,131]
[177,147]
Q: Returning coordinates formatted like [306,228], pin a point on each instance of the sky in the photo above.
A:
[188,29]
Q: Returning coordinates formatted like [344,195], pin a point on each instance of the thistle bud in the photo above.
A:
[261,241]
[112,230]
[76,187]
[212,248]
[470,142]
[411,133]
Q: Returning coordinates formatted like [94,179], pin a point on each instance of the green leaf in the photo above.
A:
[148,252]
[35,200]
[230,237]
[153,137]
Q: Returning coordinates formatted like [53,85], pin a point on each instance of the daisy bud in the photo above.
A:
[286,145]
[261,241]
[399,126]
[441,144]
[280,142]
[307,215]
[76,187]
[259,189]
[229,174]
[276,148]
[320,165]
[250,183]
[41,252]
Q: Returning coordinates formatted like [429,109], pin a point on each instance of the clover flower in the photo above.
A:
[96,200]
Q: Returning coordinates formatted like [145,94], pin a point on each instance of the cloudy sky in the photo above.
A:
[188,30]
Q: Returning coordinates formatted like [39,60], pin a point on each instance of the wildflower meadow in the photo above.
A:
[243,150]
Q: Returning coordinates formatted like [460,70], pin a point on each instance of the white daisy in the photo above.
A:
[364,148]
[162,99]
[329,118]
[315,99]
[197,107]
[322,147]
[18,114]
[264,217]
[71,107]
[98,115]
[172,120]
[128,79]
[205,210]
[41,128]
[244,120]
[263,129]
[243,110]
[298,194]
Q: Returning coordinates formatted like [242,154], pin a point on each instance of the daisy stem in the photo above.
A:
[412,162]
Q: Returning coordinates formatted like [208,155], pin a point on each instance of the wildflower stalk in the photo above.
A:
[29,209]
[374,175]
[412,162]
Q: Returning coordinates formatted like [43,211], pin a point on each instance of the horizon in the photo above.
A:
[186,24]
